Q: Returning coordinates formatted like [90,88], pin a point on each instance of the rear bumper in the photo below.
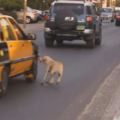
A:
[69,34]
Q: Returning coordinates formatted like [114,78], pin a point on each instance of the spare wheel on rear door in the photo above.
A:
[66,20]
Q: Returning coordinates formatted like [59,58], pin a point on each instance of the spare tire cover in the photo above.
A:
[65,20]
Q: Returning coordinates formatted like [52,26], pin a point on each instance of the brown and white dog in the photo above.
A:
[53,68]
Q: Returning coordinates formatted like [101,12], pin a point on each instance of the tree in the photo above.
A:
[40,4]
[18,4]
[11,4]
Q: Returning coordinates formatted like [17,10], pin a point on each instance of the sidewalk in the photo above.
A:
[33,28]
[105,105]
[112,112]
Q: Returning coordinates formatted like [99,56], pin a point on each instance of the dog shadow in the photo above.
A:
[19,89]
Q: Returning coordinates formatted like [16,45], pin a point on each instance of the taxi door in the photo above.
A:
[20,49]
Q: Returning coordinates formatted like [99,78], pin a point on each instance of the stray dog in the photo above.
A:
[53,68]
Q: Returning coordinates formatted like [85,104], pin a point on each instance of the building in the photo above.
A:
[94,1]
[108,3]
[104,3]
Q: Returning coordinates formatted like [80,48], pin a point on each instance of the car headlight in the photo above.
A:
[47,29]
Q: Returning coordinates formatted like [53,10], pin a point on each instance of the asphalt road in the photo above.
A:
[84,72]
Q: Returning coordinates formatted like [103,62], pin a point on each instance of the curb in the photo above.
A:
[112,112]
[101,101]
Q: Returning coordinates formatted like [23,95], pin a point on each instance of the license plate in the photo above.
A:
[65,34]
[80,27]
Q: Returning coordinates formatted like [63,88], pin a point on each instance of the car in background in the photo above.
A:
[45,15]
[117,18]
[18,53]
[31,15]
[73,20]
[107,14]
[40,14]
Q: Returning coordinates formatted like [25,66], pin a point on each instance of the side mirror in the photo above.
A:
[31,36]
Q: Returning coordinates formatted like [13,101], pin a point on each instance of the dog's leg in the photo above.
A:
[59,78]
[51,80]
[46,74]
[45,77]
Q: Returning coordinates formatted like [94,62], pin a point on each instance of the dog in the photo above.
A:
[53,68]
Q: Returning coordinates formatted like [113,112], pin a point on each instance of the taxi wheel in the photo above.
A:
[32,74]
[4,82]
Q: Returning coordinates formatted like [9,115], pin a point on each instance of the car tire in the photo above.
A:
[59,42]
[4,82]
[117,23]
[99,39]
[28,20]
[91,42]
[49,41]
[32,74]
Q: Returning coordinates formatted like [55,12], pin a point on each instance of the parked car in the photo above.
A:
[45,15]
[107,14]
[17,53]
[73,20]
[31,15]
[117,18]
[40,14]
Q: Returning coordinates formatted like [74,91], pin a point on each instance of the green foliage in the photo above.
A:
[11,4]
[40,4]
[18,4]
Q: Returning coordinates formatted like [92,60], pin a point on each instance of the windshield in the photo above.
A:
[107,10]
[74,8]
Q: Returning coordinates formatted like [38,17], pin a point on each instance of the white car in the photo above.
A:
[107,14]
[31,15]
[38,11]
[40,14]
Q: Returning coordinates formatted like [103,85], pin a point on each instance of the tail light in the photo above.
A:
[89,19]
[46,17]
[118,17]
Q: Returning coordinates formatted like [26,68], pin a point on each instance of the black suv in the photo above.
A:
[73,20]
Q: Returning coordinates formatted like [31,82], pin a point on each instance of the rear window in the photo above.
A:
[77,9]
[88,10]
[107,10]
[5,30]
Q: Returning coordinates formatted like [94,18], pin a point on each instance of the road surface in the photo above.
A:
[85,70]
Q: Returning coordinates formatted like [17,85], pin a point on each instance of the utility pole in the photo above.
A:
[25,10]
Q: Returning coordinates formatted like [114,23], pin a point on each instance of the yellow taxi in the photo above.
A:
[18,53]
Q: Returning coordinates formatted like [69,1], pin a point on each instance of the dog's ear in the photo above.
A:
[42,59]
